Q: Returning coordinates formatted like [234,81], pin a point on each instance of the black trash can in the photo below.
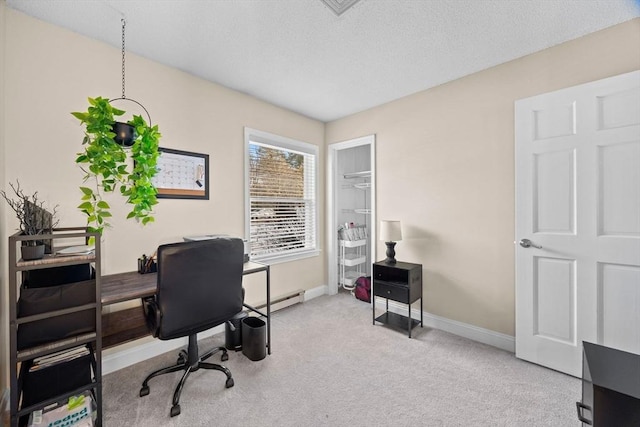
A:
[254,338]
[233,337]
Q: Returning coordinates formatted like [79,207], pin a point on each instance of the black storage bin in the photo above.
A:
[42,300]
[54,276]
[51,381]
[233,337]
[254,338]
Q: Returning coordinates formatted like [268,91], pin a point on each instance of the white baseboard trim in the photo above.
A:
[316,292]
[475,333]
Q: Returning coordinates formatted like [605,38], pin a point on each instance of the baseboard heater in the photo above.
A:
[282,301]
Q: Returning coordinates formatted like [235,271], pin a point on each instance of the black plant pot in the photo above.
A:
[32,252]
[125,134]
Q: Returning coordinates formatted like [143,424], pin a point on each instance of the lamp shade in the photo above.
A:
[390,231]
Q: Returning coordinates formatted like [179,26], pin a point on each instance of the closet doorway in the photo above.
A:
[351,211]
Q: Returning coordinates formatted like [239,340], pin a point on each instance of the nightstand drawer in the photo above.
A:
[394,292]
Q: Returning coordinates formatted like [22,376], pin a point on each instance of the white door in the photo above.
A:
[578,203]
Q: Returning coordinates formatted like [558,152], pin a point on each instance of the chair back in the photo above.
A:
[199,285]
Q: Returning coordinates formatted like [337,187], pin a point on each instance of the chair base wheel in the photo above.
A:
[175,410]
[188,362]
[224,357]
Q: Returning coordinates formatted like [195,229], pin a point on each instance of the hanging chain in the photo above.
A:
[123,24]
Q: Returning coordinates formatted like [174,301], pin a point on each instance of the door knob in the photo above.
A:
[526,243]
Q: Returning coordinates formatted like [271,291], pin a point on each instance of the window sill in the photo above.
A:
[282,258]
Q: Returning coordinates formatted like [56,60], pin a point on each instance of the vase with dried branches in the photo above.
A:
[33,219]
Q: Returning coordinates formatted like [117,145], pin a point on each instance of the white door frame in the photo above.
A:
[332,221]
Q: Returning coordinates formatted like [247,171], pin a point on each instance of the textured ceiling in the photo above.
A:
[300,55]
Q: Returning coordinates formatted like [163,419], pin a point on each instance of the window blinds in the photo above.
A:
[282,198]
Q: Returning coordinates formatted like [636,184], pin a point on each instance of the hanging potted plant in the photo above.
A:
[34,219]
[107,166]
[105,161]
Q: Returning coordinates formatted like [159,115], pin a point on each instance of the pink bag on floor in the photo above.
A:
[363,288]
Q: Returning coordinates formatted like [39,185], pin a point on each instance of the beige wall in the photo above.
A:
[445,167]
[50,72]
[444,156]
[4,326]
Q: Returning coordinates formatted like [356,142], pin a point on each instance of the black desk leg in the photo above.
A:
[373,309]
[268,309]
[409,315]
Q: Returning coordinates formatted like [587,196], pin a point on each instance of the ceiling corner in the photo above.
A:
[339,6]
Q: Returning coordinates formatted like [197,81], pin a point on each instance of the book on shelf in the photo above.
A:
[58,357]
[76,250]
[77,411]
[352,232]
[23,354]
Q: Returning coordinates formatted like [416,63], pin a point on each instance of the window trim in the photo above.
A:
[279,142]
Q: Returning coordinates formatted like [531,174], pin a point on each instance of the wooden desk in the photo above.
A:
[126,325]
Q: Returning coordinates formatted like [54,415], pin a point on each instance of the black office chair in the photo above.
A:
[199,287]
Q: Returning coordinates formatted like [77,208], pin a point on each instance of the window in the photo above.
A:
[280,196]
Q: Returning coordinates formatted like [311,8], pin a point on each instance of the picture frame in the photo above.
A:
[182,175]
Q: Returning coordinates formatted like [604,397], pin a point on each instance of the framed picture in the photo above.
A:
[182,175]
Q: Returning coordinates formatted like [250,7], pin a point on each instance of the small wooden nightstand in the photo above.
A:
[401,282]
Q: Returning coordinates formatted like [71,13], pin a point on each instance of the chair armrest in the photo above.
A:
[152,315]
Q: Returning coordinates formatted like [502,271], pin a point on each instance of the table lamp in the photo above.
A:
[390,233]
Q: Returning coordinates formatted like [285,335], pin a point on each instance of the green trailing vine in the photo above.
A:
[104,163]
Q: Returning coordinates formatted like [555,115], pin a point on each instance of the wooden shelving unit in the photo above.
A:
[23,357]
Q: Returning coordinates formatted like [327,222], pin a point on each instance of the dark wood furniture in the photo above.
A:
[400,282]
[129,324]
[40,325]
[110,328]
[610,387]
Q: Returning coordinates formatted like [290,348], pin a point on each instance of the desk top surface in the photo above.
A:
[133,285]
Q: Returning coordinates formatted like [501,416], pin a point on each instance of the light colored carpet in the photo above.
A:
[331,367]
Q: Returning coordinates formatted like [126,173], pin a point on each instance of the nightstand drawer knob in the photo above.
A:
[389,292]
